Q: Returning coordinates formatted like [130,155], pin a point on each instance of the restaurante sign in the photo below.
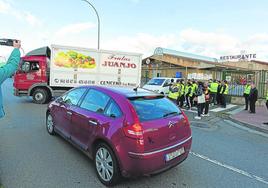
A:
[238,57]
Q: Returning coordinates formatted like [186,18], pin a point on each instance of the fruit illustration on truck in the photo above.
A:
[73,59]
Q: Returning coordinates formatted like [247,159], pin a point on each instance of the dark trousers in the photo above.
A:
[178,101]
[218,98]
[194,103]
[246,101]
[252,106]
[213,98]
[192,100]
[223,100]
[200,108]
[181,100]
[266,104]
[206,107]
[188,101]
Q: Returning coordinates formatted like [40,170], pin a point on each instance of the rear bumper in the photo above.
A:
[139,164]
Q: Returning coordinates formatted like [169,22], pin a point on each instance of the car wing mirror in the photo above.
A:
[60,100]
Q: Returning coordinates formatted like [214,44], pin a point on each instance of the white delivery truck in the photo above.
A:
[45,73]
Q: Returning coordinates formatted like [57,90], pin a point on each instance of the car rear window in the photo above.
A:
[151,108]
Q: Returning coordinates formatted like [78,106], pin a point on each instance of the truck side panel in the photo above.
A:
[71,67]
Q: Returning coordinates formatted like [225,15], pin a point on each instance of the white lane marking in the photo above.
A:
[245,128]
[242,172]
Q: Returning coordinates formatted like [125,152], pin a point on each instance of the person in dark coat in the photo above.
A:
[253,97]
[218,95]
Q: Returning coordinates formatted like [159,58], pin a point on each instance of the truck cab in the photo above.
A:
[33,76]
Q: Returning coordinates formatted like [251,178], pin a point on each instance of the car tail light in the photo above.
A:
[185,118]
[134,130]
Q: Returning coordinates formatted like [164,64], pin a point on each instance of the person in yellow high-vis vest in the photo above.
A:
[195,86]
[173,92]
[266,123]
[188,94]
[246,94]
[224,93]
[213,87]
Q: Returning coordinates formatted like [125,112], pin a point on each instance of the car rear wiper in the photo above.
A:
[170,113]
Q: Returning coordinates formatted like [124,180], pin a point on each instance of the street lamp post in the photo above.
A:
[98,21]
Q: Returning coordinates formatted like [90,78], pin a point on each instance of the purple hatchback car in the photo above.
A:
[126,132]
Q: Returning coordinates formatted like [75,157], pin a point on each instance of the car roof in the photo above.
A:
[127,92]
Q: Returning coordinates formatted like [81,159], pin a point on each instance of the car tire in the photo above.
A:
[107,168]
[40,96]
[50,124]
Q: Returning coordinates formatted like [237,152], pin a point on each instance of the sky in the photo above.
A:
[205,27]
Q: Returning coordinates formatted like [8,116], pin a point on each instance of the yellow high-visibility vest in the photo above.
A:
[214,87]
[226,89]
[247,89]
[192,90]
[173,95]
[195,86]
[186,89]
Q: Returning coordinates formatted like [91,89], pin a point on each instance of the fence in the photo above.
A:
[236,90]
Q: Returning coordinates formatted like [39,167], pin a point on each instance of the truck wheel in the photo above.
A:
[40,96]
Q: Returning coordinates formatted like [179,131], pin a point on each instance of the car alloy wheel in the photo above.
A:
[50,124]
[106,165]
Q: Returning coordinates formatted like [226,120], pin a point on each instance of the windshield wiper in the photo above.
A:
[170,113]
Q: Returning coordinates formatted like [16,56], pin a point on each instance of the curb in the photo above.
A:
[248,125]
[227,116]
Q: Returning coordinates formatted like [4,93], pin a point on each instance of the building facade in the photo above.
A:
[171,63]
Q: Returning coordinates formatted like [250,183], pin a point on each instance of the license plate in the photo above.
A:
[174,154]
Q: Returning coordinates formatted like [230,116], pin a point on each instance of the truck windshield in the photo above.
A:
[156,82]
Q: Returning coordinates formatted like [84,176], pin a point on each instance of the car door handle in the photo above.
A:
[92,122]
[69,113]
